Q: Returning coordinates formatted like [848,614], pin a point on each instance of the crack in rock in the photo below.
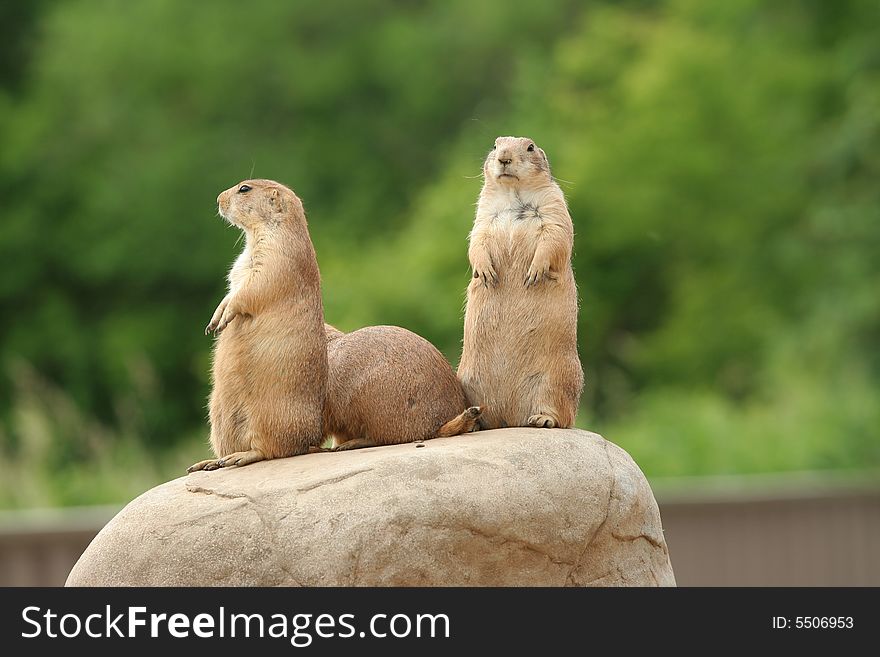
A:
[596,579]
[266,518]
[657,544]
[504,540]
[353,577]
[334,480]
[195,488]
[569,579]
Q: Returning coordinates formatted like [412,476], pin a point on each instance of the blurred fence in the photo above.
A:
[792,530]
[39,547]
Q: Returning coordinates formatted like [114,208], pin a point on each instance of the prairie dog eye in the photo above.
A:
[494,147]
[531,148]
[244,189]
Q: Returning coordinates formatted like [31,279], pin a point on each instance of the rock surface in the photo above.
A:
[509,507]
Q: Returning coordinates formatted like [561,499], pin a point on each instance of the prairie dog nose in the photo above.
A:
[504,158]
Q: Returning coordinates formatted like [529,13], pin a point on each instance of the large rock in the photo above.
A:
[532,507]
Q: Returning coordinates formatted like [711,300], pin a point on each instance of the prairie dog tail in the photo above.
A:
[462,423]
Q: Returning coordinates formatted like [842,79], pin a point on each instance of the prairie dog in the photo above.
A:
[519,360]
[387,385]
[270,358]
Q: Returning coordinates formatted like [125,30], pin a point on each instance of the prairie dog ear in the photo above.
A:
[275,200]
[544,155]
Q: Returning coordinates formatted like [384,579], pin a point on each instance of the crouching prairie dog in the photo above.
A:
[270,357]
[519,359]
[386,386]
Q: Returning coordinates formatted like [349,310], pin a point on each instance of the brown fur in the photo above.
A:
[387,386]
[270,359]
[520,359]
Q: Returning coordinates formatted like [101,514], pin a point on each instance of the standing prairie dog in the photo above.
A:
[519,361]
[270,358]
[386,386]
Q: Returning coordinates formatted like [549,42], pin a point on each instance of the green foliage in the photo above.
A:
[67,457]
[720,161]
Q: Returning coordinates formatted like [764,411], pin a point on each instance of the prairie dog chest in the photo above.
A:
[512,212]
[240,269]
[511,220]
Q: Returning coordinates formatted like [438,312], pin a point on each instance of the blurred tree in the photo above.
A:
[18,32]
[720,161]
[140,113]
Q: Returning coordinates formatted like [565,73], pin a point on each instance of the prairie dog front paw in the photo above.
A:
[224,314]
[538,271]
[215,318]
[484,271]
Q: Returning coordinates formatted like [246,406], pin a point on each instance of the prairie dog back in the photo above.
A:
[387,385]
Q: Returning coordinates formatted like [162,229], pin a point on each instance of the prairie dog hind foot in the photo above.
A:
[463,423]
[542,421]
[236,458]
[354,443]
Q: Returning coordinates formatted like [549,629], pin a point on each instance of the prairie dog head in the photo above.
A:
[253,204]
[516,162]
